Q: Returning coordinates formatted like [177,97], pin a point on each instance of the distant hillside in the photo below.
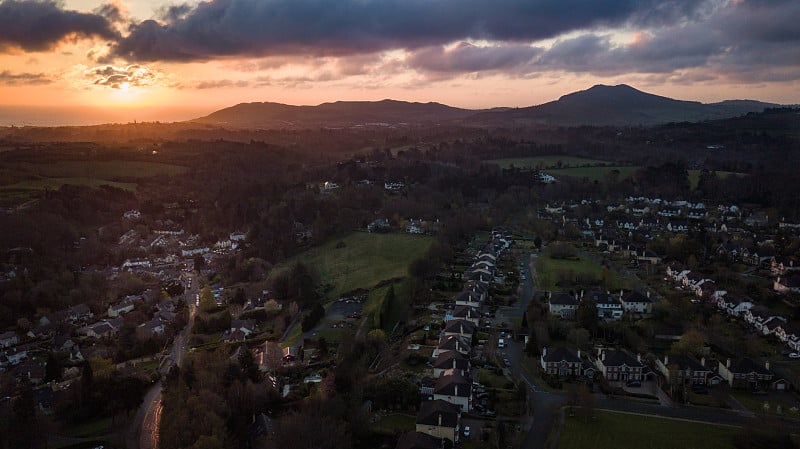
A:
[615,106]
[338,114]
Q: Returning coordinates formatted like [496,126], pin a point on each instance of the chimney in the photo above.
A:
[703,361]
[544,351]
[440,420]
[639,358]
[728,363]
[620,293]
[456,392]
[766,365]
[648,293]
[579,353]
[581,294]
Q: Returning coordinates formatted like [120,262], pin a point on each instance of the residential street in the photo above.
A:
[547,406]
[144,430]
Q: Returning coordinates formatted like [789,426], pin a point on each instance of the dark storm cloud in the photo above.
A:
[272,27]
[748,42]
[8,78]
[470,58]
[39,25]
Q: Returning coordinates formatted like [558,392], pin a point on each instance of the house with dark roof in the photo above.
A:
[733,305]
[452,343]
[464,313]
[562,305]
[687,369]
[454,388]
[439,419]
[419,440]
[452,360]
[561,362]
[637,302]
[619,365]
[460,328]
[609,307]
[745,373]
[468,298]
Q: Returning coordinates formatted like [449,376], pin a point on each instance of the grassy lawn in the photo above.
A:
[89,429]
[623,431]
[593,173]
[755,404]
[362,259]
[544,162]
[548,269]
[706,400]
[492,380]
[694,176]
[394,424]
[332,335]
[507,403]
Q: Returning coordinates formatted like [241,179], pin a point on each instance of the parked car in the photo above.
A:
[466,431]
[794,355]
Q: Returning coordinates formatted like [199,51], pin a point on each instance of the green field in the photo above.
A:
[108,170]
[694,176]
[548,269]
[56,183]
[596,173]
[544,162]
[20,180]
[625,431]
[361,260]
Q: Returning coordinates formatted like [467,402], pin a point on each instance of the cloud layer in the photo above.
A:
[736,40]
[322,27]
[9,78]
[40,25]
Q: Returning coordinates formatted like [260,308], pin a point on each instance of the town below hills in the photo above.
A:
[408,285]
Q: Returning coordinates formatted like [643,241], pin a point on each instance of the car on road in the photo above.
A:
[466,431]
[794,355]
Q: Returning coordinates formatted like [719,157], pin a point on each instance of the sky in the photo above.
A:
[125,60]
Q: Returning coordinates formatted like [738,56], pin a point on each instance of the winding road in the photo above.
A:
[144,431]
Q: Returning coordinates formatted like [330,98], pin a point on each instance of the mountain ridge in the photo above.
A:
[599,105]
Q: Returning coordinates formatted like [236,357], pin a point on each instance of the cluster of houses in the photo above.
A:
[451,390]
[610,306]
[760,318]
[641,219]
[173,247]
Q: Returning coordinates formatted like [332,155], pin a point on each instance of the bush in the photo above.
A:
[313,318]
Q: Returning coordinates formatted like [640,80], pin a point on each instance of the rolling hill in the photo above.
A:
[337,114]
[614,106]
[600,105]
